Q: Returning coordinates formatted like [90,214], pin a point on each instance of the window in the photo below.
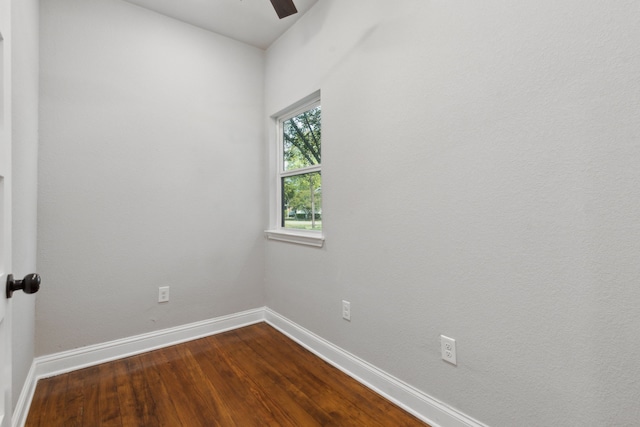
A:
[299,175]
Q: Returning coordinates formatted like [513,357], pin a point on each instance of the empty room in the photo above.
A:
[320,212]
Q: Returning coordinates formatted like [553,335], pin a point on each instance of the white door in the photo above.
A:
[5,213]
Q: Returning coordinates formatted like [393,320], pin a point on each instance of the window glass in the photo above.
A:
[301,137]
[302,201]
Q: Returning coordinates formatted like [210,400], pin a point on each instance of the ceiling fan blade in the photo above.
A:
[284,8]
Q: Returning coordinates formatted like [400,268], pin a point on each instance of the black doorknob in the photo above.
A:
[30,284]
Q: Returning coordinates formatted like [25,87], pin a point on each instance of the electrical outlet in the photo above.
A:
[163,294]
[448,348]
[346,310]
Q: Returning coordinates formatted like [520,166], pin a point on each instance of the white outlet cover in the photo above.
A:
[346,310]
[448,349]
[163,294]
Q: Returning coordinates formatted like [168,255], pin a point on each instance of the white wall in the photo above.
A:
[150,173]
[25,179]
[480,180]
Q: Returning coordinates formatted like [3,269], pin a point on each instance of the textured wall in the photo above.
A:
[25,179]
[150,173]
[480,180]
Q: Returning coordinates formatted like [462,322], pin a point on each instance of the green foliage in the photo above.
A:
[302,195]
[302,137]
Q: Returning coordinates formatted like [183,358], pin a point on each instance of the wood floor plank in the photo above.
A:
[201,399]
[90,390]
[167,413]
[270,411]
[137,406]
[189,407]
[74,410]
[109,400]
[274,386]
[253,376]
[238,390]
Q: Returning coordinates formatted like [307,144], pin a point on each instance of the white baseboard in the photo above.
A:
[407,397]
[402,394]
[66,361]
[24,400]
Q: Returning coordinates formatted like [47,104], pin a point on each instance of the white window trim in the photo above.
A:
[301,237]
[277,232]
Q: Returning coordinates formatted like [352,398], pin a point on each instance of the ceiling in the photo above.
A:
[250,21]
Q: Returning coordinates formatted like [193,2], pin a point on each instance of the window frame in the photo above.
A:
[277,231]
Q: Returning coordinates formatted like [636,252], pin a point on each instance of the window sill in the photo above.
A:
[315,239]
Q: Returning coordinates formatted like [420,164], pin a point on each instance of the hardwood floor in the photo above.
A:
[253,376]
